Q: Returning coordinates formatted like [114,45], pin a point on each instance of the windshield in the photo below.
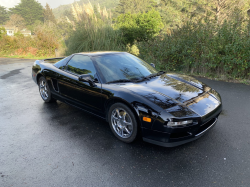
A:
[123,66]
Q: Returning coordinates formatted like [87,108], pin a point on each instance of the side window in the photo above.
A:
[80,64]
[62,63]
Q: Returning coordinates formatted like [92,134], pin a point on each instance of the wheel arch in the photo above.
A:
[38,76]
[119,100]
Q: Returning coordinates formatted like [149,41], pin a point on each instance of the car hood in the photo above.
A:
[177,93]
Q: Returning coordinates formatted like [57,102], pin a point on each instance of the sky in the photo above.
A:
[52,3]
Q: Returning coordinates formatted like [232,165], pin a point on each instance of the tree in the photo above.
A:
[69,15]
[171,12]
[2,32]
[177,12]
[48,14]
[134,6]
[30,10]
[16,21]
[4,16]
[139,27]
[95,9]
[64,28]
[224,9]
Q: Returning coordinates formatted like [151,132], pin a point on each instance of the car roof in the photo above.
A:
[100,53]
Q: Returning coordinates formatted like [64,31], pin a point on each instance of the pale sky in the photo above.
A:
[52,3]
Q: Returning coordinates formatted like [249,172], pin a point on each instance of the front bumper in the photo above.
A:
[180,142]
[181,136]
[34,76]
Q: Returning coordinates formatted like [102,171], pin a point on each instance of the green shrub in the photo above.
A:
[204,48]
[133,49]
[139,27]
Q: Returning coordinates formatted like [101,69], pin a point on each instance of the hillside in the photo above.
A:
[109,4]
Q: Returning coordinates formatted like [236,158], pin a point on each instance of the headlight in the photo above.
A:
[174,124]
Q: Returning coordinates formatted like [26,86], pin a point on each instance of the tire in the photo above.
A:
[122,122]
[44,91]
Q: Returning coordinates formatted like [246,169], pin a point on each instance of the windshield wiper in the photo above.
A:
[160,73]
[142,79]
[138,79]
[119,80]
[150,76]
[155,74]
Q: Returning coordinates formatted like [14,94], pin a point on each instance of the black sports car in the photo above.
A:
[168,109]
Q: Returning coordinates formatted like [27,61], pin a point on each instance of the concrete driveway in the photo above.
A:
[58,145]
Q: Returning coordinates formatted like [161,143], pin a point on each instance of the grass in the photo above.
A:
[218,78]
[94,38]
[26,56]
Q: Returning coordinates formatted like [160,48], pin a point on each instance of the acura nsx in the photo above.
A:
[166,109]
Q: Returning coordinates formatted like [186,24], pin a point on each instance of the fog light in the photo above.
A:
[174,124]
[147,119]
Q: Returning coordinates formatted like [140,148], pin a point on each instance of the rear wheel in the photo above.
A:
[122,122]
[45,91]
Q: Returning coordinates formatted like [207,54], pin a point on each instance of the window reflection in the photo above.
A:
[123,66]
[81,64]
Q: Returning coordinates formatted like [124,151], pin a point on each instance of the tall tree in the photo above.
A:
[135,6]
[3,15]
[68,14]
[172,12]
[48,14]
[30,10]
[176,12]
[16,21]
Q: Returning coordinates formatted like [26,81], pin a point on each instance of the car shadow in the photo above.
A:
[83,125]
[93,136]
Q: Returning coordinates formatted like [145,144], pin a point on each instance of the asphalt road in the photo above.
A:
[58,145]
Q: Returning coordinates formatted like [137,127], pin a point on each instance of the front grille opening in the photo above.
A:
[179,135]
[206,125]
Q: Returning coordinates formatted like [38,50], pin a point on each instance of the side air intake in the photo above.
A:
[55,84]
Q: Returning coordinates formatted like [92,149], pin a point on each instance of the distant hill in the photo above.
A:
[109,4]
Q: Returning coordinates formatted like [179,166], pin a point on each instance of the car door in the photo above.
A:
[81,94]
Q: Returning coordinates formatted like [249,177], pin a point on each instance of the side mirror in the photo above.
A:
[86,78]
[153,65]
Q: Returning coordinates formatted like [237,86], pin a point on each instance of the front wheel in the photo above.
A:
[45,91]
[122,122]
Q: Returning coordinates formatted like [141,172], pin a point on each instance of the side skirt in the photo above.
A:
[65,101]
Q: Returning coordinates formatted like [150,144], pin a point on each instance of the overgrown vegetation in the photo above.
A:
[206,37]
[203,49]
[92,31]
[139,27]
[47,34]
[94,38]
[65,10]
[44,44]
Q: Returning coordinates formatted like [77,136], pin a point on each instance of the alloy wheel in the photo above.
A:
[122,123]
[44,90]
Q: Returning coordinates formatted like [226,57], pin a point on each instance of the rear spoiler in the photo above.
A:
[54,58]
